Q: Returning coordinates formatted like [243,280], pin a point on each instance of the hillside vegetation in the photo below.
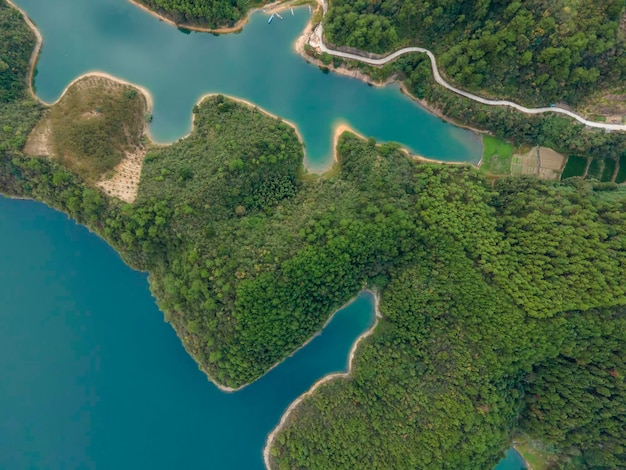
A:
[487,330]
[503,306]
[94,126]
[534,51]
[18,111]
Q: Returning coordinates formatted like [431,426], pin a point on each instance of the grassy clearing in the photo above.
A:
[96,123]
[497,156]
[575,166]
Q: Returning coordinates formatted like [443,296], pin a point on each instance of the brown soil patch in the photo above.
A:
[542,162]
[551,160]
[38,142]
[124,183]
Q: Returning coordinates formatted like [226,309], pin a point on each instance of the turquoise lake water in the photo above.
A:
[93,377]
[512,461]
[258,64]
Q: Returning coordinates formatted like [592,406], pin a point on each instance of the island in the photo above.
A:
[501,298]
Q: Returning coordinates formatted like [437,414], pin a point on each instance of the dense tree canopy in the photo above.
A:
[206,13]
[487,329]
[535,50]
[18,112]
[503,305]
[15,49]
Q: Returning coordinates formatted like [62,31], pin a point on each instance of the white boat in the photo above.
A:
[292,11]
[280,17]
[270,20]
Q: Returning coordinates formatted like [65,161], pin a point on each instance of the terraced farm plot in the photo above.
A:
[551,163]
[526,164]
[621,172]
[595,169]
[609,170]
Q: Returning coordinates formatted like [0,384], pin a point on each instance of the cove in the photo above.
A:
[258,65]
[93,378]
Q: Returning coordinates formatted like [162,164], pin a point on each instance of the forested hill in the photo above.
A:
[503,304]
[487,330]
[205,13]
[535,51]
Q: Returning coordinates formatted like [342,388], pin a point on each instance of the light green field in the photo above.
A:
[497,156]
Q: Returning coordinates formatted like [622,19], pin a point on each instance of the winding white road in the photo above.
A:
[316,40]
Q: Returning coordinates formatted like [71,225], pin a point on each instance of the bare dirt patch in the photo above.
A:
[551,163]
[542,162]
[614,119]
[38,142]
[123,183]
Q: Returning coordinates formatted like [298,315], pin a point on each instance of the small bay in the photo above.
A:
[92,377]
[259,64]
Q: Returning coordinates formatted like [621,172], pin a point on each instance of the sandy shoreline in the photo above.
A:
[95,73]
[323,380]
[528,465]
[345,127]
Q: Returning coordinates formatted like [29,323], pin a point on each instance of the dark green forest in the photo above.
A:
[536,51]
[483,335]
[503,304]
[205,13]
[18,111]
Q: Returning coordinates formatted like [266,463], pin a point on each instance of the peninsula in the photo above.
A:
[501,301]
